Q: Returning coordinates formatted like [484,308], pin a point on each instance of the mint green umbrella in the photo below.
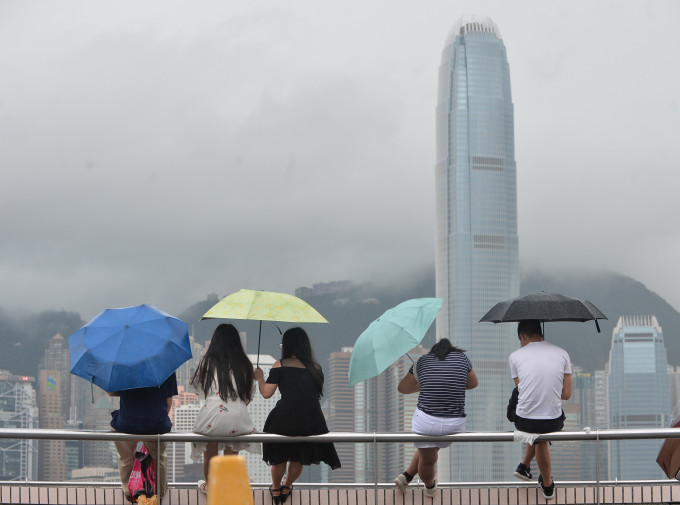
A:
[391,336]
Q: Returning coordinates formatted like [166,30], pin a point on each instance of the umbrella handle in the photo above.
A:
[259,336]
[92,387]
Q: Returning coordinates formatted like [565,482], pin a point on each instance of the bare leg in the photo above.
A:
[277,476]
[294,471]
[427,460]
[543,461]
[529,454]
[210,451]
[413,466]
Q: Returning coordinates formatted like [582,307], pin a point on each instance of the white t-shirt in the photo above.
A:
[540,368]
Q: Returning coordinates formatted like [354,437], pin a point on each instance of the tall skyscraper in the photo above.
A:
[476,253]
[54,386]
[639,395]
[371,405]
[341,412]
[18,410]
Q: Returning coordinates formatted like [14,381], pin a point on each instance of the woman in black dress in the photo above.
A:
[297,413]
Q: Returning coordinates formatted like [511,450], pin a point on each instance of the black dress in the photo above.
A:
[297,413]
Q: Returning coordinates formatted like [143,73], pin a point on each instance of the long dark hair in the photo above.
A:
[225,358]
[442,348]
[296,342]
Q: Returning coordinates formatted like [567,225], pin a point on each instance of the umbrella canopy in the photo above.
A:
[129,348]
[264,306]
[544,307]
[391,336]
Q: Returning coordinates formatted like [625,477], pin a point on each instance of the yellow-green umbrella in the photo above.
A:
[264,306]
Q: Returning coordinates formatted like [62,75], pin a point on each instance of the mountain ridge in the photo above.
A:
[349,312]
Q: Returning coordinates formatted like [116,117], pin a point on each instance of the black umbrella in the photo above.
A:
[544,307]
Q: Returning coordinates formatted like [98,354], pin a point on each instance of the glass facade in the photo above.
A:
[476,254]
[639,395]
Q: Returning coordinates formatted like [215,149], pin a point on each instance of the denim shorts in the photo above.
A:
[425,424]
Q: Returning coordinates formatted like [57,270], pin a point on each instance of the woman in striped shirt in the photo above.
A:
[441,378]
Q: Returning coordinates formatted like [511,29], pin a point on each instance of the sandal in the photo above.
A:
[284,496]
[275,497]
[203,486]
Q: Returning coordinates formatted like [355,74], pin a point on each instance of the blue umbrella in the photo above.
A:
[129,348]
[392,335]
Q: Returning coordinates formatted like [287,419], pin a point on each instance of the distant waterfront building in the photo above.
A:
[639,395]
[373,405]
[476,253]
[259,409]
[100,453]
[576,460]
[324,288]
[674,377]
[341,412]
[56,357]
[54,386]
[18,410]
[179,453]
[601,404]
[186,370]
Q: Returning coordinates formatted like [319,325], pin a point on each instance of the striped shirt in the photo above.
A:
[442,384]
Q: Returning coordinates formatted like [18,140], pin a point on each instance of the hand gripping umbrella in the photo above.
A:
[264,306]
[129,348]
[544,307]
[392,335]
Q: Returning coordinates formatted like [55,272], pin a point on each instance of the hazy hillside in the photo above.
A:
[615,295]
[24,338]
[351,312]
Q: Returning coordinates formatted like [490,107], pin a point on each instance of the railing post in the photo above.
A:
[375,467]
[158,469]
[597,464]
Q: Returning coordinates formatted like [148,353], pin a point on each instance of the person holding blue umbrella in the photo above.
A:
[143,411]
[440,378]
[132,353]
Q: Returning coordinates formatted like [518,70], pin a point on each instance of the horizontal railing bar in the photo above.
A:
[355,485]
[343,437]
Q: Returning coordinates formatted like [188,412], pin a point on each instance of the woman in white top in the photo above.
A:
[225,379]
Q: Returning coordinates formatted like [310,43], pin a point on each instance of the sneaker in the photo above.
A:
[402,482]
[431,491]
[523,472]
[549,491]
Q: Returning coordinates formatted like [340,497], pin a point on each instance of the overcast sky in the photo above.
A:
[158,151]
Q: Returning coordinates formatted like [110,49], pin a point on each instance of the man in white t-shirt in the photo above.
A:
[542,374]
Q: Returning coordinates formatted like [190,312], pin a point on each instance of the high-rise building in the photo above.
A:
[259,409]
[100,453]
[373,405]
[576,459]
[18,410]
[54,386]
[341,412]
[476,253]
[639,395]
[56,357]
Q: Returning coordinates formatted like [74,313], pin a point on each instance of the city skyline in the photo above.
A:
[123,130]
[477,257]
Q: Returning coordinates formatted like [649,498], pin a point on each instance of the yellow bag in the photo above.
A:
[143,500]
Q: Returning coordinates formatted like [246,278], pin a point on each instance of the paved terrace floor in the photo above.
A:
[496,494]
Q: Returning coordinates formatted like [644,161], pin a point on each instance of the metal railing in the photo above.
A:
[374,438]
